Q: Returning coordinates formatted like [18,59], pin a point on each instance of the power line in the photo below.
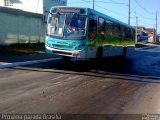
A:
[106,9]
[114,2]
[111,11]
[111,1]
[143,17]
[135,7]
[143,8]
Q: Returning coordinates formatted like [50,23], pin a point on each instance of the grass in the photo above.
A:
[21,49]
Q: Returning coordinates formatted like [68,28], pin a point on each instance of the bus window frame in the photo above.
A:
[62,36]
[109,27]
[49,25]
[100,28]
[94,17]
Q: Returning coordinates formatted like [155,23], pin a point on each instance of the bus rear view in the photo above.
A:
[66,32]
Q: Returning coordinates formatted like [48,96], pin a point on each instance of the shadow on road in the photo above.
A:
[111,67]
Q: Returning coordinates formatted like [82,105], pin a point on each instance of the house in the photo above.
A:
[150,32]
[158,37]
[141,34]
[140,29]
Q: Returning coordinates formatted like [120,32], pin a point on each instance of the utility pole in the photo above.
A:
[156,29]
[154,33]
[129,12]
[93,4]
[136,29]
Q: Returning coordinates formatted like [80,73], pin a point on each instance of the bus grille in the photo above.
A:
[57,46]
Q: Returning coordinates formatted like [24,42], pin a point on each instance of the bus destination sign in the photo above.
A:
[69,10]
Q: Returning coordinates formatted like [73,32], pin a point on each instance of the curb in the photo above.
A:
[8,65]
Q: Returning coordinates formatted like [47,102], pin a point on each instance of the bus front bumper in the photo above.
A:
[73,53]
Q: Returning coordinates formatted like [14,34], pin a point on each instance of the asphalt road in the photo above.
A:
[117,86]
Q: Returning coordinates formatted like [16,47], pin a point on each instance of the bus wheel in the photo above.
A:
[124,52]
[66,58]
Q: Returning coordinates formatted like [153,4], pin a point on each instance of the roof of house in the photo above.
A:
[149,29]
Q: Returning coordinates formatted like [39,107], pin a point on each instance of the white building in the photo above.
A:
[35,6]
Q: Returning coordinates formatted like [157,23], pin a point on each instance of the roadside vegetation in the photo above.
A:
[22,49]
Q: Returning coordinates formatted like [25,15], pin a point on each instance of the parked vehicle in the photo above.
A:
[142,37]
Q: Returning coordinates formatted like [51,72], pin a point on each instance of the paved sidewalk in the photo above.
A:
[13,61]
[22,58]
[141,44]
[21,54]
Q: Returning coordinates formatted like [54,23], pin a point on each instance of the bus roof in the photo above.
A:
[89,10]
[109,18]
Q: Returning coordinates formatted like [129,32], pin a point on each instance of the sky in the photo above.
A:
[145,10]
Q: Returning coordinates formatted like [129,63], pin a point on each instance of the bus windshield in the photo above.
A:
[67,26]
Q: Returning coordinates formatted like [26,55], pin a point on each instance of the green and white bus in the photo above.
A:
[74,32]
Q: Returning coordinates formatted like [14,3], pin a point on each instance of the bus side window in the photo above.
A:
[92,28]
[101,25]
[109,29]
[127,32]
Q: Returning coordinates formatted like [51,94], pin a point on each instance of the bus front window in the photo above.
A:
[75,26]
[67,26]
[55,25]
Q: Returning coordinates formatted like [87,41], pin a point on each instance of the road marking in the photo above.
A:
[7,65]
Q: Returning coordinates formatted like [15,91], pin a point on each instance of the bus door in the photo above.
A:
[92,31]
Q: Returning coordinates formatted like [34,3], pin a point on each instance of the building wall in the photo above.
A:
[20,27]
